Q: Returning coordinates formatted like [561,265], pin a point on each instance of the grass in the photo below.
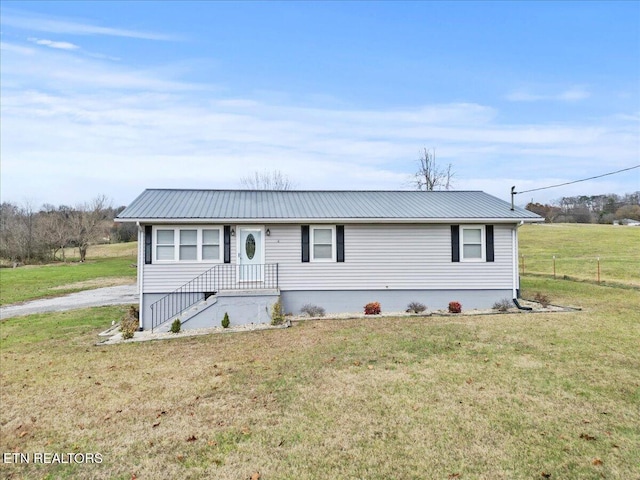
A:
[500,397]
[577,247]
[106,265]
[552,395]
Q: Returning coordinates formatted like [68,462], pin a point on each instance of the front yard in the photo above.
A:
[501,396]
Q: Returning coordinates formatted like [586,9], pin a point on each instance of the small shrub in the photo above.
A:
[455,307]
[129,324]
[416,307]
[134,312]
[176,325]
[225,321]
[372,308]
[277,317]
[313,310]
[503,305]
[542,299]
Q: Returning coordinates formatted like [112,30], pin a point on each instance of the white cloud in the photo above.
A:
[26,21]
[572,94]
[53,44]
[11,47]
[74,126]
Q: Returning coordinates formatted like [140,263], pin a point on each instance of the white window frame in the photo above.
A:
[180,244]
[156,244]
[202,244]
[312,234]
[176,243]
[483,243]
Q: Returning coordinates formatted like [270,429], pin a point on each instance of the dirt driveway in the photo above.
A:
[118,295]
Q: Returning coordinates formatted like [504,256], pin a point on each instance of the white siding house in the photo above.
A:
[339,250]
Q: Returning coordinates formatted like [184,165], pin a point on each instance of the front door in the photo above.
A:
[250,253]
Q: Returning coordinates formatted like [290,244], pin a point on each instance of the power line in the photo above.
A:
[577,181]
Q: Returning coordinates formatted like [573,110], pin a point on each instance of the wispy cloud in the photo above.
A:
[12,47]
[53,44]
[80,70]
[136,128]
[572,94]
[25,21]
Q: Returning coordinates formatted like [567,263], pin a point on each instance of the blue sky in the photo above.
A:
[114,97]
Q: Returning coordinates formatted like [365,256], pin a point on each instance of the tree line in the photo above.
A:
[28,235]
[590,208]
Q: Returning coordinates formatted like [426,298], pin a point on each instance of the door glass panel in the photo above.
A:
[250,246]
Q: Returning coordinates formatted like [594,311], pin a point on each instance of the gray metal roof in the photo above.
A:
[279,206]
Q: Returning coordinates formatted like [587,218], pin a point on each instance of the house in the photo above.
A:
[206,252]
[627,221]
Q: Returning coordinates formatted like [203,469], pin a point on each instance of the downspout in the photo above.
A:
[516,277]
[140,272]
[514,262]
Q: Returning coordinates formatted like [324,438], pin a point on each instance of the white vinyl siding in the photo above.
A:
[390,257]
[377,257]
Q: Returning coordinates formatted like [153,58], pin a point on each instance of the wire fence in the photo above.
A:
[599,269]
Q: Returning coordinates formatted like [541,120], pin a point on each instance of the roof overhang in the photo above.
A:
[191,221]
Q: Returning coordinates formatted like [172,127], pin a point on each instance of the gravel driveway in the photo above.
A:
[119,295]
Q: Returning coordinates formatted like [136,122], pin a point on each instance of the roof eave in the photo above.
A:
[172,221]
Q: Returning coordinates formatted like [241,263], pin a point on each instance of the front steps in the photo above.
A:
[243,306]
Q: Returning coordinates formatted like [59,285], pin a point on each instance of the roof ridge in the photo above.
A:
[307,191]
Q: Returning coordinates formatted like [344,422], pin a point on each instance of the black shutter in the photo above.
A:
[227,244]
[455,243]
[148,239]
[340,243]
[489,243]
[305,243]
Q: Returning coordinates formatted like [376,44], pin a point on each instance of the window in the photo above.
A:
[165,245]
[210,244]
[193,244]
[323,244]
[188,244]
[472,244]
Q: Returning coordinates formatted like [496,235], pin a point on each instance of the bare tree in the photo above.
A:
[90,223]
[53,228]
[430,176]
[273,180]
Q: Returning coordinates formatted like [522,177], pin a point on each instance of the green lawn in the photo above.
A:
[512,396]
[577,248]
[499,396]
[105,265]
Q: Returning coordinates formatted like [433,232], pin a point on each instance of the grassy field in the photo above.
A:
[106,265]
[514,396]
[577,248]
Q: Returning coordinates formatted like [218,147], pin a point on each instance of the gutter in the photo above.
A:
[324,220]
